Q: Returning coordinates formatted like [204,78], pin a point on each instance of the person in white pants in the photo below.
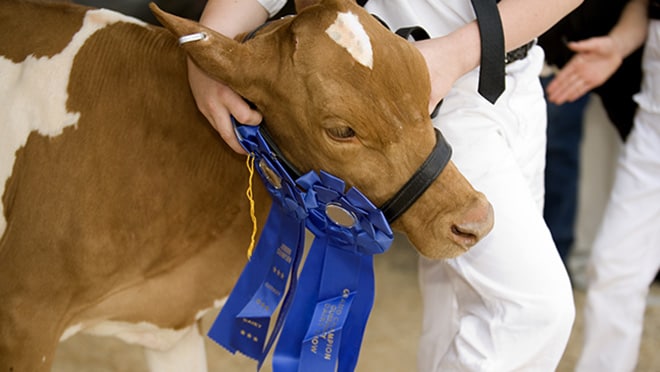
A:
[625,257]
[506,304]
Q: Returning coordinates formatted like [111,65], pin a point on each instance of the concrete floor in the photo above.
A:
[390,342]
[392,333]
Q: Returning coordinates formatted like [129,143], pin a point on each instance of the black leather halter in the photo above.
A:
[408,193]
[392,209]
[420,181]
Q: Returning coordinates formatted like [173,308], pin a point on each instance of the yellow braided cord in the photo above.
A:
[250,166]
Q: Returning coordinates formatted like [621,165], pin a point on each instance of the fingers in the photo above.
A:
[238,108]
[596,59]
[570,83]
[219,113]
[584,46]
[223,125]
[601,45]
[566,88]
[567,92]
[217,103]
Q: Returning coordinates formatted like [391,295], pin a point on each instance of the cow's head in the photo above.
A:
[341,93]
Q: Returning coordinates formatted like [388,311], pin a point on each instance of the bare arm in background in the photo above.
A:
[597,58]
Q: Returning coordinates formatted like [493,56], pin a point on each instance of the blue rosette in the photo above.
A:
[331,307]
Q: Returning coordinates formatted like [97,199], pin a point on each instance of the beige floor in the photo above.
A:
[391,338]
[390,342]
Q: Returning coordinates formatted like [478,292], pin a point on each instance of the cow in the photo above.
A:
[123,211]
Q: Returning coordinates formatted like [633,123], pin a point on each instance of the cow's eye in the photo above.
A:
[341,133]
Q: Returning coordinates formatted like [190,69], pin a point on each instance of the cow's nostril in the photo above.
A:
[474,225]
[464,235]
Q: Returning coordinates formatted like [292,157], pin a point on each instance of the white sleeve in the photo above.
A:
[272,6]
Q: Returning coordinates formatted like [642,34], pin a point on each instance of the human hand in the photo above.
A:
[596,59]
[448,58]
[441,69]
[217,102]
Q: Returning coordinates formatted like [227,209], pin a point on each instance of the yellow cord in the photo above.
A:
[250,166]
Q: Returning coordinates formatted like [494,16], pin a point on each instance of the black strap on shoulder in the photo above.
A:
[491,74]
[416,32]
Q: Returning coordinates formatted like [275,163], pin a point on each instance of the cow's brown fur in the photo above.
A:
[66,20]
[137,213]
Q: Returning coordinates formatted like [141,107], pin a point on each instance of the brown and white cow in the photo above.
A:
[123,212]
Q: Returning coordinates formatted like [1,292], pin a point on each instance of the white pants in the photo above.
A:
[626,253]
[506,305]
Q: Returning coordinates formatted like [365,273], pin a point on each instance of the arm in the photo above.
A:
[451,56]
[214,99]
[598,58]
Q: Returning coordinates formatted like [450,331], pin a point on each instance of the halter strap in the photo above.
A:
[420,181]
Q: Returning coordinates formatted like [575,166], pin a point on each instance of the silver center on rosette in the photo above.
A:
[340,215]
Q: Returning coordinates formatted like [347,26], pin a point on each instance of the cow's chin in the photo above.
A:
[442,240]
[434,244]
[444,249]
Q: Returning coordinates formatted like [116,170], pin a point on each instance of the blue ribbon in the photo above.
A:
[244,321]
[324,312]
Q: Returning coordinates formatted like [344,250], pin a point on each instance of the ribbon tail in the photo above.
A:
[249,281]
[287,352]
[324,337]
[243,322]
[357,318]
[288,298]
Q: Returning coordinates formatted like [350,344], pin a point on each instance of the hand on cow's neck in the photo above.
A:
[448,58]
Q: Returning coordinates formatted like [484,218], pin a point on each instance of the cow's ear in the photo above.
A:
[219,56]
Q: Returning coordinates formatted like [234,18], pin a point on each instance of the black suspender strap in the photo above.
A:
[491,74]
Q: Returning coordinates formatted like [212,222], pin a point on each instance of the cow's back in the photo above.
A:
[116,191]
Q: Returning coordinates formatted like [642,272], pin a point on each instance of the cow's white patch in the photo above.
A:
[143,333]
[33,95]
[217,304]
[187,354]
[71,331]
[348,32]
